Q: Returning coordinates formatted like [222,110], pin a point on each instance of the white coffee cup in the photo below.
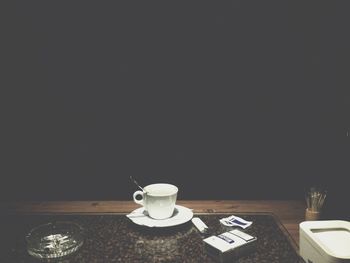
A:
[158,200]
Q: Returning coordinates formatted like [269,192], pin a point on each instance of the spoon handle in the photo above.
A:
[134,181]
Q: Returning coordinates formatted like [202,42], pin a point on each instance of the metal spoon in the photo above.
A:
[134,181]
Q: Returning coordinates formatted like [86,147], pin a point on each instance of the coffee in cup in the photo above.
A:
[158,200]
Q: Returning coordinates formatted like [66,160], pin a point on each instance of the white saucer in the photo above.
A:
[181,215]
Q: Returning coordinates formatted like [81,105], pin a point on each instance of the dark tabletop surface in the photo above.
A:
[114,238]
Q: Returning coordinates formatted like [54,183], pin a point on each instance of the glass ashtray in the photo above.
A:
[54,240]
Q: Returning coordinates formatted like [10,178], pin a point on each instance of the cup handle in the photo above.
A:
[140,202]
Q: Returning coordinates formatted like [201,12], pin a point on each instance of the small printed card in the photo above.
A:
[235,221]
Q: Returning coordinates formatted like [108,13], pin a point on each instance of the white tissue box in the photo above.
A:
[325,241]
[229,245]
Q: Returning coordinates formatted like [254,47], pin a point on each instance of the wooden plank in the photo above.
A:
[289,212]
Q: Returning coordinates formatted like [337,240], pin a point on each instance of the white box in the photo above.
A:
[229,245]
[325,241]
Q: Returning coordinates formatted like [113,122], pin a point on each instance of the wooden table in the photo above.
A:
[290,213]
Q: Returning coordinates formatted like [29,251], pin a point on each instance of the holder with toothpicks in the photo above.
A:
[314,201]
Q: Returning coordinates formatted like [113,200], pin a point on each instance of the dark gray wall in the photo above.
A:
[236,99]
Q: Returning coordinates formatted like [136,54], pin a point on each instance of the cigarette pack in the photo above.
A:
[229,245]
